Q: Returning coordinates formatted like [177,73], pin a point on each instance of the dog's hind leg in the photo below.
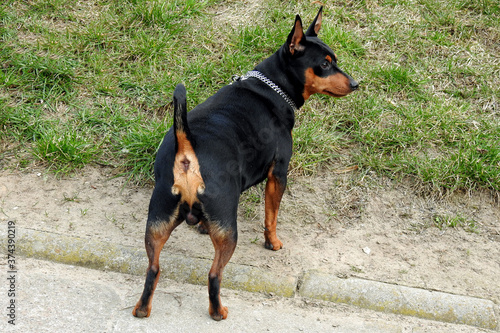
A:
[155,240]
[159,227]
[224,241]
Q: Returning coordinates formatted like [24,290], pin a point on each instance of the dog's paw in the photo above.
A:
[141,311]
[219,315]
[202,229]
[274,245]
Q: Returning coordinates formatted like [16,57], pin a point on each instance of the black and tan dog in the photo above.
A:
[235,139]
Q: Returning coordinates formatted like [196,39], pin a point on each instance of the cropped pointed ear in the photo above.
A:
[296,36]
[316,24]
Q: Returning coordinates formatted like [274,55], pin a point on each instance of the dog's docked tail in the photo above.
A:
[188,182]
[180,112]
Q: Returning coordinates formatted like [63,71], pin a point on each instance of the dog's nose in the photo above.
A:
[354,85]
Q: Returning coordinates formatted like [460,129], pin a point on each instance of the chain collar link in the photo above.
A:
[271,84]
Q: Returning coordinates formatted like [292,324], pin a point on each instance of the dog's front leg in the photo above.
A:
[275,187]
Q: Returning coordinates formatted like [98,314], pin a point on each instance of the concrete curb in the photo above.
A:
[403,300]
[362,293]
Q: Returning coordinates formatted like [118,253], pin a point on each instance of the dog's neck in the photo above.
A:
[276,68]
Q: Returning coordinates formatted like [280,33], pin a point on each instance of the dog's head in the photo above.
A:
[318,62]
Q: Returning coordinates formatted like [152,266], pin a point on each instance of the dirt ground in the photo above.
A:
[343,224]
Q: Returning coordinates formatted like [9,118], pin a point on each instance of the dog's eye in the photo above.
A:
[325,65]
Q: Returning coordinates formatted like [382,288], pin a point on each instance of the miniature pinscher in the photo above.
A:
[235,139]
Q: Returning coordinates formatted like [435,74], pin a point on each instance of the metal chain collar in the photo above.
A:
[271,84]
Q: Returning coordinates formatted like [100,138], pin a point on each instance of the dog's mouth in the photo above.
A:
[329,93]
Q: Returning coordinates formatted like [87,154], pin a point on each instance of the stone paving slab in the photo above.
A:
[362,293]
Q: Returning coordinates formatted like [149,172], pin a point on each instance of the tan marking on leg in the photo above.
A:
[273,195]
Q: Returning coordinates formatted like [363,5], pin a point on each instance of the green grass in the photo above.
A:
[90,82]
[446,221]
